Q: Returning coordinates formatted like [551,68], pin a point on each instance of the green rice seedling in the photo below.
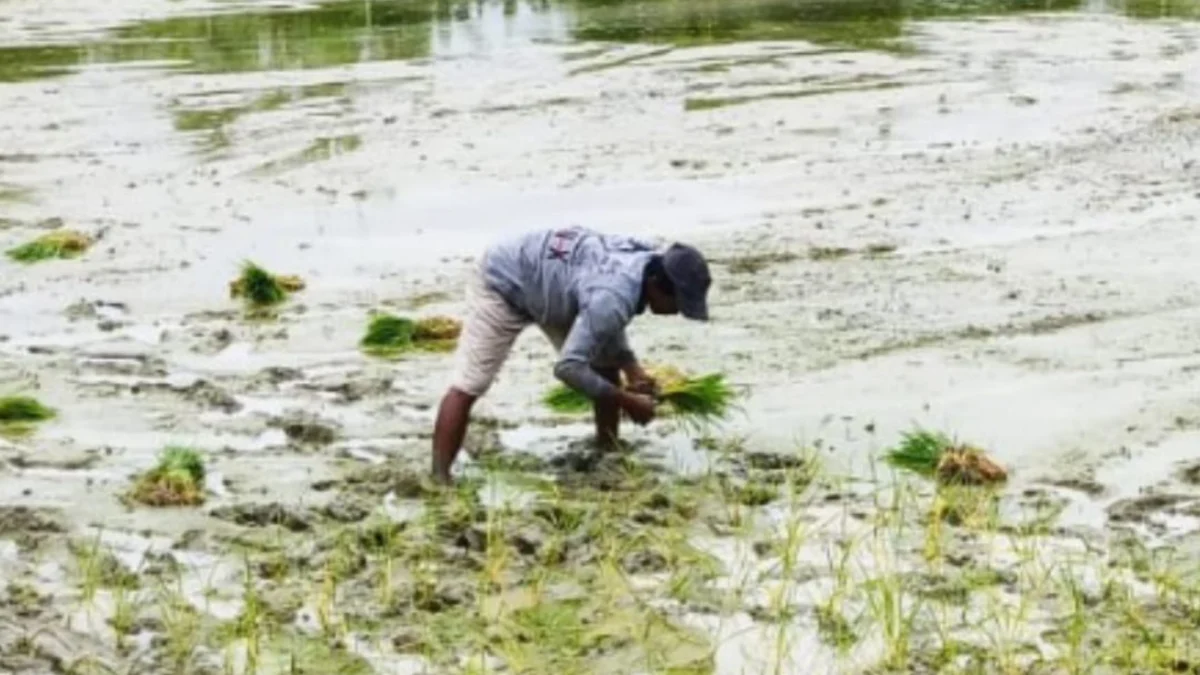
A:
[704,399]
[934,455]
[919,452]
[18,414]
[262,289]
[21,409]
[182,630]
[389,335]
[60,244]
[696,403]
[437,329]
[565,400]
[177,480]
[90,569]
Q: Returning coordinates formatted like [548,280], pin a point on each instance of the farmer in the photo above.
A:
[581,288]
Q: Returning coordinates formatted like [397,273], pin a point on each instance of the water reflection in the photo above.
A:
[339,33]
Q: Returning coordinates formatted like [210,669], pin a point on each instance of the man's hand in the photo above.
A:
[640,381]
[639,407]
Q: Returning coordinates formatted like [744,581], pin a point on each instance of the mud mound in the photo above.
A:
[604,472]
[303,429]
[201,392]
[273,376]
[51,648]
[1191,474]
[294,519]
[29,526]
[380,480]
[347,508]
[771,461]
[1141,509]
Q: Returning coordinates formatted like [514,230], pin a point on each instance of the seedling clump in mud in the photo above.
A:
[934,455]
[61,244]
[261,289]
[389,335]
[17,413]
[177,480]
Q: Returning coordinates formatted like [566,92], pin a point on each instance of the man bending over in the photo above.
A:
[581,288]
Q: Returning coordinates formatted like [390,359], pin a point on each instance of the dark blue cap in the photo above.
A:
[688,271]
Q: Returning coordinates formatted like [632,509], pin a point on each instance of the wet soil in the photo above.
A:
[977,218]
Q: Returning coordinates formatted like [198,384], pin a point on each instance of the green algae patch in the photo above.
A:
[392,336]
[58,245]
[177,480]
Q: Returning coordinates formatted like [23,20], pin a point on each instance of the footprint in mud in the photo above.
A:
[382,479]
[345,508]
[294,519]
[201,392]
[352,388]
[771,461]
[273,376]
[606,472]
[1142,509]
[30,526]
[1087,486]
[303,429]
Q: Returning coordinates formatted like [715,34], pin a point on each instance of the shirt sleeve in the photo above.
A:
[599,326]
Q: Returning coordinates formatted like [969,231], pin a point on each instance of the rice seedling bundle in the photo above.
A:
[260,288]
[177,480]
[23,409]
[690,400]
[58,244]
[936,456]
[391,335]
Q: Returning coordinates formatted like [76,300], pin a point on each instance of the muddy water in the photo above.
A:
[975,216]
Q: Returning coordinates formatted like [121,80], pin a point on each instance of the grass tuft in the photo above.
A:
[60,244]
[389,335]
[261,289]
[177,480]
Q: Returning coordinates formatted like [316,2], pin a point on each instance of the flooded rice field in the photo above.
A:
[977,217]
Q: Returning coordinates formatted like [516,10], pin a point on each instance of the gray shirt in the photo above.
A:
[578,281]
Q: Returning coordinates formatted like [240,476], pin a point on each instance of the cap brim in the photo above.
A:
[693,308]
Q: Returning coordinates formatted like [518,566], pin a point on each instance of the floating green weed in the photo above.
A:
[61,244]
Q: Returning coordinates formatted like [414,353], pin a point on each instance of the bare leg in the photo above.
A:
[608,415]
[450,430]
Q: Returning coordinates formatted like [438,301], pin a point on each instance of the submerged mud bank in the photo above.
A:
[979,224]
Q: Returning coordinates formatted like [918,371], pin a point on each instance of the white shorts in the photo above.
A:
[489,331]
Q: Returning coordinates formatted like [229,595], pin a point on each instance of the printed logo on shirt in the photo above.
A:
[561,244]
